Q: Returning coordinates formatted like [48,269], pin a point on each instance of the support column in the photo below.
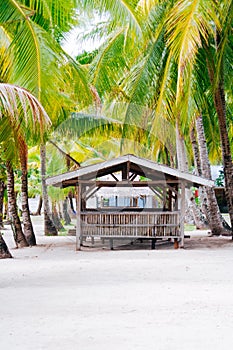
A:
[78,215]
[182,213]
[170,200]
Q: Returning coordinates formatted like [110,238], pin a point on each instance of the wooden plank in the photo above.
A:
[78,210]
[115,178]
[125,183]
[182,214]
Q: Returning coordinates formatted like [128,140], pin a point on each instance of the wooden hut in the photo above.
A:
[130,222]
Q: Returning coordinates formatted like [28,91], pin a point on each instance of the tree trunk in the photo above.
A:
[6,212]
[49,227]
[70,196]
[4,251]
[192,208]
[226,151]
[2,190]
[27,223]
[212,210]
[55,216]
[38,211]
[182,161]
[196,154]
[19,237]
[220,106]
[66,216]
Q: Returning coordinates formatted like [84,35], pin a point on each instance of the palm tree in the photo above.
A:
[177,37]
[207,36]
[31,32]
[212,211]
[2,190]
[21,115]
[4,251]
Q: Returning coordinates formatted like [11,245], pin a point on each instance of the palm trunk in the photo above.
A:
[70,197]
[38,211]
[65,213]
[2,190]
[49,227]
[196,154]
[4,251]
[212,210]
[182,160]
[220,106]
[55,216]
[27,223]
[19,237]
[198,172]
[199,219]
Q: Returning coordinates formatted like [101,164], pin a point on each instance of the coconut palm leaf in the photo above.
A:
[225,49]
[108,65]
[52,14]
[189,24]
[34,52]
[22,109]
[121,11]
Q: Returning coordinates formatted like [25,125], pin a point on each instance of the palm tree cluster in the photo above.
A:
[163,75]
[35,75]
[167,65]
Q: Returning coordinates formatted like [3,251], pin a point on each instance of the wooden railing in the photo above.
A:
[130,224]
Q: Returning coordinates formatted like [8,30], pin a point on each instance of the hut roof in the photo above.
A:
[140,166]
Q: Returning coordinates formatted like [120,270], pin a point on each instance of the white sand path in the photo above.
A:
[57,299]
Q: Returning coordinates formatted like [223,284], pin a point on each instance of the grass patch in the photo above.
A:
[189,227]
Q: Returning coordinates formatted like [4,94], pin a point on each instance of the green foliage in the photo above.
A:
[220,179]
[86,57]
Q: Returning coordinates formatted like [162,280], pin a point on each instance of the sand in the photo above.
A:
[133,298]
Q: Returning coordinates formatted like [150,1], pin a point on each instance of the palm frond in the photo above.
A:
[109,63]
[225,48]
[121,11]
[22,109]
[189,24]
[53,15]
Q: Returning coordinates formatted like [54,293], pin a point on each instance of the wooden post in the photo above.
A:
[182,213]
[176,243]
[169,200]
[153,241]
[176,199]
[78,215]
[111,243]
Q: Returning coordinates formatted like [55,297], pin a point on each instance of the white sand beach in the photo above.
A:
[55,298]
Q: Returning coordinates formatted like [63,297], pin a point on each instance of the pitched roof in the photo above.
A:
[141,166]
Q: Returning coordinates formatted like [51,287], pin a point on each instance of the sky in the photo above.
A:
[73,44]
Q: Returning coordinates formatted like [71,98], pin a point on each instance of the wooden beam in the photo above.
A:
[172,189]
[156,192]
[114,177]
[176,207]
[93,192]
[78,215]
[125,183]
[169,199]
[125,171]
[182,213]
[92,187]
[133,176]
